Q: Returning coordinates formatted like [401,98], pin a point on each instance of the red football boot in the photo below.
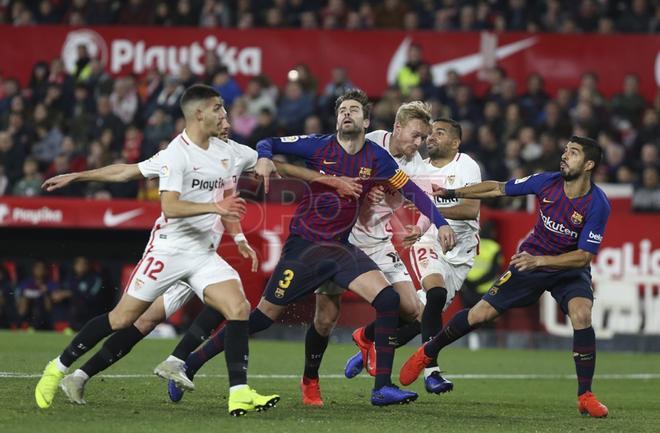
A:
[588,404]
[417,362]
[311,392]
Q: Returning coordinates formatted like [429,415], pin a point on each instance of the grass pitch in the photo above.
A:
[495,391]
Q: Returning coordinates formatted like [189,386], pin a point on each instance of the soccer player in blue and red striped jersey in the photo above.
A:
[555,257]
[317,249]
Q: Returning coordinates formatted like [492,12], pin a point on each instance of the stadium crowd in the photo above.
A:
[568,16]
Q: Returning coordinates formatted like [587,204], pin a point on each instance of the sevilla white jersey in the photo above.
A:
[200,176]
[460,172]
[372,226]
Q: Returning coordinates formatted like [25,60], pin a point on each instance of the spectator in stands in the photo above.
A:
[33,299]
[636,18]
[266,127]
[135,13]
[88,297]
[293,108]
[132,149]
[168,98]
[8,314]
[390,14]
[534,98]
[39,81]
[313,125]
[11,157]
[82,69]
[59,166]
[464,106]
[49,139]
[242,122]
[124,100]
[81,114]
[225,85]
[257,98]
[646,197]
[159,128]
[408,76]
[10,89]
[308,82]
[629,104]
[106,120]
[4,180]
[184,15]
[163,15]
[30,184]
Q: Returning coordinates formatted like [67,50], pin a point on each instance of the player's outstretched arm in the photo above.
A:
[345,186]
[172,207]
[486,189]
[110,173]
[524,261]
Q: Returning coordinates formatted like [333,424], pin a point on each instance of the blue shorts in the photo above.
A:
[305,265]
[520,289]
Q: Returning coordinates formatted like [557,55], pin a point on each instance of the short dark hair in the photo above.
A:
[591,148]
[198,92]
[355,95]
[455,126]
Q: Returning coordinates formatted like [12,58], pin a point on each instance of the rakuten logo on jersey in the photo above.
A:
[209,185]
[167,58]
[556,227]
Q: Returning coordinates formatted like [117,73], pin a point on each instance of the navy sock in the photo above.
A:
[94,331]
[114,348]
[370,331]
[236,354]
[436,298]
[216,344]
[386,304]
[203,325]
[315,345]
[584,355]
[406,332]
[457,327]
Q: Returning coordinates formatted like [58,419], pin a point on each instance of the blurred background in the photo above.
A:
[87,83]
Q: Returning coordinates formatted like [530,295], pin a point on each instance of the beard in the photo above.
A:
[566,174]
[438,153]
[349,133]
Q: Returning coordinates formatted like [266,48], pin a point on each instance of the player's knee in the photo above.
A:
[238,310]
[119,321]
[481,313]
[387,299]
[325,322]
[580,317]
[146,324]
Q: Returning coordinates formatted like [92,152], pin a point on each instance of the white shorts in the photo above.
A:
[176,296]
[387,259]
[426,261]
[157,271]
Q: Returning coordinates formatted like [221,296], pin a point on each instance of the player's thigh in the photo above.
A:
[369,284]
[127,311]
[175,297]
[421,256]
[573,292]
[517,289]
[155,273]
[152,317]
[359,273]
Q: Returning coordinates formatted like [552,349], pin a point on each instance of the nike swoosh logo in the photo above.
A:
[111,220]
[196,168]
[546,201]
[329,162]
[463,65]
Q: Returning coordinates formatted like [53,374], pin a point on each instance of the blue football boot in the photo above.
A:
[391,394]
[437,384]
[354,366]
[175,393]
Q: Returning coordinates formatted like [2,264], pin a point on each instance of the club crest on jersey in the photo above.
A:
[365,173]
[576,218]
[451,179]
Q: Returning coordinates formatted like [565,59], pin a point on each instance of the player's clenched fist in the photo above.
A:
[447,238]
[231,206]
[376,194]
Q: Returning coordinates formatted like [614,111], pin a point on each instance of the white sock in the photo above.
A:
[61,367]
[429,370]
[175,359]
[237,387]
[80,373]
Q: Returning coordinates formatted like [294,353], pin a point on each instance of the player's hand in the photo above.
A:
[413,233]
[231,207]
[264,168]
[57,182]
[376,194]
[247,252]
[525,261]
[407,204]
[447,238]
[345,186]
[439,191]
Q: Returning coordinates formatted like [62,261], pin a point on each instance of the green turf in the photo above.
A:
[500,405]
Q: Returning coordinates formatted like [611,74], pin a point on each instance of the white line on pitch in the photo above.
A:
[631,376]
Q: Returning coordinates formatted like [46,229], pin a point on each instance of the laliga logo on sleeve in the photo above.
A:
[96,47]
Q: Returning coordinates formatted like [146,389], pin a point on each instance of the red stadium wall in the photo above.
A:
[626,273]
[371,57]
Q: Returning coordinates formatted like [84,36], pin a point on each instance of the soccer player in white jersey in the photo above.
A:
[373,235]
[442,275]
[122,342]
[194,172]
